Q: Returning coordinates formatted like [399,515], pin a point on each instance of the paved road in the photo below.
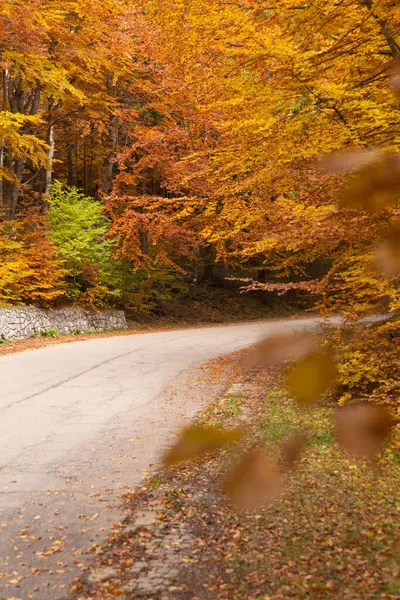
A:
[80,424]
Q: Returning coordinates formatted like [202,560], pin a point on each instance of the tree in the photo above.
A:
[30,269]
[198,127]
[276,86]
[78,229]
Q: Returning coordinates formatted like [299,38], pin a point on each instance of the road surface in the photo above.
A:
[80,424]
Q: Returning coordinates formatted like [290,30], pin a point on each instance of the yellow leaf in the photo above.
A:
[195,441]
[309,378]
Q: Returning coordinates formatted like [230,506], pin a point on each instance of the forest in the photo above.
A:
[147,144]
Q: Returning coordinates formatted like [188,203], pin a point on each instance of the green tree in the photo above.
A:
[79,229]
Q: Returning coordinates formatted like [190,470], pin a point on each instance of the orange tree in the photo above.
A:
[30,270]
[258,92]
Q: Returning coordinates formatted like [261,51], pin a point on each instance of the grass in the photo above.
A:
[338,521]
[47,333]
[155,482]
[334,533]
[283,418]
[234,405]
[226,407]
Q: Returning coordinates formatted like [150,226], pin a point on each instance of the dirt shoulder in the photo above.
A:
[333,534]
[34,343]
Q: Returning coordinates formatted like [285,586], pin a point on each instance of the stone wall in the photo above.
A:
[22,322]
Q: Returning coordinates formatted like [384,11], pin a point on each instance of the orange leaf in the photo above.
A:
[388,255]
[362,428]
[291,449]
[253,481]
[280,348]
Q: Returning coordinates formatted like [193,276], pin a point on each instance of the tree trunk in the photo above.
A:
[1,177]
[70,166]
[19,101]
[77,163]
[106,181]
[90,173]
[209,263]
[50,154]
[143,236]
[261,275]
[84,168]
[108,164]
[2,144]
[13,195]
[144,242]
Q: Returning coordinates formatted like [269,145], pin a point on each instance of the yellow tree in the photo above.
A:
[62,63]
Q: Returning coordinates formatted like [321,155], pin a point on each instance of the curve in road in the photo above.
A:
[81,423]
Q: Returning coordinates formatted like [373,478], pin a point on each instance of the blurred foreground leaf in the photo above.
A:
[253,481]
[195,441]
[388,255]
[281,348]
[374,186]
[395,79]
[292,448]
[310,377]
[362,428]
[348,160]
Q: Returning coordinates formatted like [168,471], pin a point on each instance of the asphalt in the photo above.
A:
[81,424]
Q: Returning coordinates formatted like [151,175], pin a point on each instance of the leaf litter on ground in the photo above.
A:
[332,533]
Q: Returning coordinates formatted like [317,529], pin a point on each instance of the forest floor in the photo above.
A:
[334,533]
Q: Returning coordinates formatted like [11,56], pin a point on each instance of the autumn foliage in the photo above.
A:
[30,268]
[259,138]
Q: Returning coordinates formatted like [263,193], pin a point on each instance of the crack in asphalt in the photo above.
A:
[68,379]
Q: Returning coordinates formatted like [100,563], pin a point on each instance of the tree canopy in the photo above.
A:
[190,133]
